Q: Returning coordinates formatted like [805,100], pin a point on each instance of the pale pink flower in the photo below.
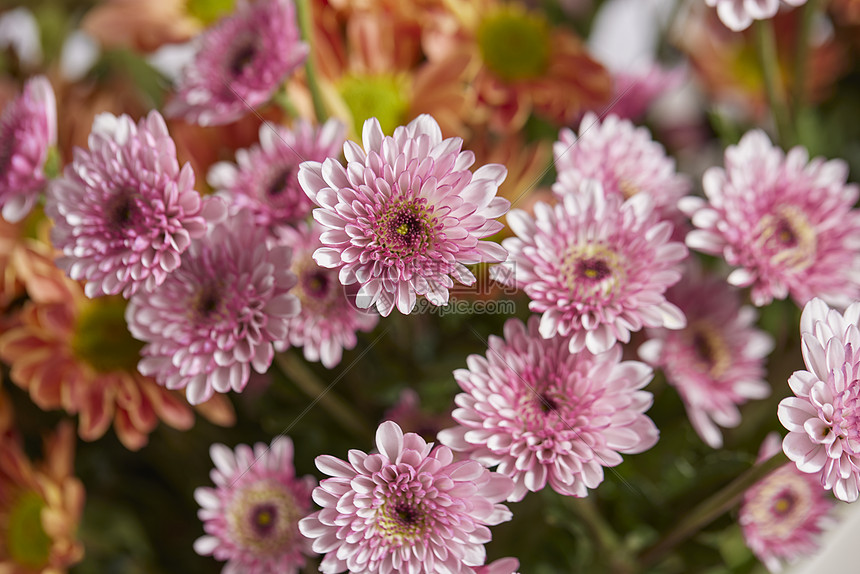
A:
[408,508]
[623,158]
[219,314]
[717,361]
[546,415]
[328,320]
[405,215]
[737,15]
[783,515]
[595,266]
[251,516]
[823,419]
[28,128]
[240,63]
[500,566]
[123,211]
[785,222]
[265,176]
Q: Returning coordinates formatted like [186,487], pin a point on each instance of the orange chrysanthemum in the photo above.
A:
[519,63]
[142,25]
[371,65]
[78,355]
[40,507]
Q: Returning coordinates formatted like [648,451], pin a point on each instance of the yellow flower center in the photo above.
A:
[26,541]
[102,339]
[788,238]
[592,270]
[514,44]
[383,97]
[710,348]
[208,11]
[262,517]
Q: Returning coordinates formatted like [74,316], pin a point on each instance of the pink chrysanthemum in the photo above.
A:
[737,15]
[409,508]
[405,214]
[218,314]
[328,320]
[783,515]
[251,516]
[717,361]
[242,60]
[265,176]
[823,420]
[123,211]
[544,414]
[28,128]
[787,223]
[595,267]
[623,158]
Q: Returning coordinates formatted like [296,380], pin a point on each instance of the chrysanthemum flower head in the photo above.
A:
[241,62]
[783,515]
[823,419]
[737,15]
[623,158]
[41,506]
[265,179]
[123,211]
[28,128]
[784,221]
[717,361]
[408,508]
[595,266]
[218,315]
[251,516]
[546,415]
[328,320]
[405,215]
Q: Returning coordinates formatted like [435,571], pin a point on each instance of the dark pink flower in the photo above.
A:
[546,415]
[251,516]
[28,128]
[240,63]
[408,508]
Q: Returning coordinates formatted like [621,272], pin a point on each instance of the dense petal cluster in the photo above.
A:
[546,415]
[251,516]
[265,179]
[28,128]
[240,63]
[784,221]
[405,215]
[717,361]
[596,266]
[783,515]
[623,158]
[218,314]
[328,320]
[823,419]
[123,211]
[408,508]
[739,14]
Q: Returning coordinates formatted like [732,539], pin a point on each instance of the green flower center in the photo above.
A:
[208,11]
[26,541]
[514,44]
[383,97]
[102,339]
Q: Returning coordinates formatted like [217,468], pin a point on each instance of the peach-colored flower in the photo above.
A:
[141,25]
[519,62]
[40,507]
[76,354]
[371,65]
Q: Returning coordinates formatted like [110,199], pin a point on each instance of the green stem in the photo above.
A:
[304,378]
[710,509]
[774,86]
[610,545]
[801,57]
[306,25]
